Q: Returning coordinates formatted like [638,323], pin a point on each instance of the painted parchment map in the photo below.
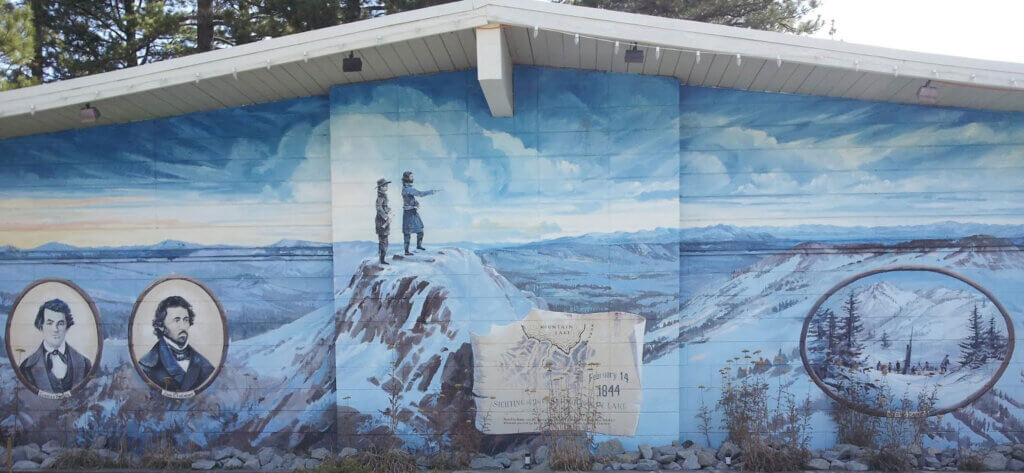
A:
[594,357]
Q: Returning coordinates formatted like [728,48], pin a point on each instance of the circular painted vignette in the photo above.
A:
[223,322]
[99,336]
[917,414]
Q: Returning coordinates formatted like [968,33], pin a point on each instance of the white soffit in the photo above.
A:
[441,38]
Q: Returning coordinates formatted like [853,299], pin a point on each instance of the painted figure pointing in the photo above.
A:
[411,222]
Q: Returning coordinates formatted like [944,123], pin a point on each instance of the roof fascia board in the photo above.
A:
[691,35]
[225,62]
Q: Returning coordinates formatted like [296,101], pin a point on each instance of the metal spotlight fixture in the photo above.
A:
[89,114]
[634,55]
[527,461]
[927,94]
[351,63]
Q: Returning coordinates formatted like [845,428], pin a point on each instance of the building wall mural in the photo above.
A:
[548,252]
[390,263]
[221,219]
[784,198]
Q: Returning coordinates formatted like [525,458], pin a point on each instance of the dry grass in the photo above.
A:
[772,431]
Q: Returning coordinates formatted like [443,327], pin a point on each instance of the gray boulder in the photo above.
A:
[319,453]
[252,463]
[222,453]
[930,461]
[915,450]
[856,466]
[1017,452]
[541,455]
[485,463]
[18,454]
[503,459]
[647,465]
[666,459]
[1015,465]
[347,451]
[1003,449]
[233,464]
[266,455]
[994,461]
[33,452]
[818,464]
[830,455]
[705,458]
[837,465]
[666,449]
[671,466]
[25,465]
[597,466]
[52,447]
[203,464]
[691,462]
[275,463]
[626,466]
[296,463]
[609,448]
[645,451]
[628,457]
[727,449]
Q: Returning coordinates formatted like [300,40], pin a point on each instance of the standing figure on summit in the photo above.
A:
[382,222]
[411,222]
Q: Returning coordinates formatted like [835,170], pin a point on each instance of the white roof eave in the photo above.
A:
[466,14]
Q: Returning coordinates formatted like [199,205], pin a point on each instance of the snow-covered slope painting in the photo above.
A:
[808,192]
[898,329]
[362,242]
[237,199]
[569,206]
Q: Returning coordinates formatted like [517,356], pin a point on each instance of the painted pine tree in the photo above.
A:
[995,342]
[972,347]
[850,346]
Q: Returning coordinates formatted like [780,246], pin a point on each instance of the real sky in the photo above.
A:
[983,29]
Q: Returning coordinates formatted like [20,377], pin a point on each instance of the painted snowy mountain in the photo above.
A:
[936,318]
[762,307]
[636,272]
[404,335]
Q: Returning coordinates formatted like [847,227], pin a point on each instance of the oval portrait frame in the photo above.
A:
[224,330]
[910,414]
[99,337]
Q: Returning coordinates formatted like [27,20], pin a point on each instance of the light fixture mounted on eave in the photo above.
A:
[927,94]
[351,63]
[634,55]
[89,114]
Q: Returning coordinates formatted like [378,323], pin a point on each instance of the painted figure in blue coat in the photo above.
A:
[172,363]
[55,367]
[411,222]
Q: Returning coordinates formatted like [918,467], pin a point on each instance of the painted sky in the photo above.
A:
[247,176]
[778,160]
[585,152]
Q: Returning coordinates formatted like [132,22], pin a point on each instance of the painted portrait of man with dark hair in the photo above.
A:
[55,367]
[172,363]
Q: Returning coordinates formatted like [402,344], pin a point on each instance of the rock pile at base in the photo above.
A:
[608,455]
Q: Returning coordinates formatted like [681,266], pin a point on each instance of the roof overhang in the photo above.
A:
[442,38]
